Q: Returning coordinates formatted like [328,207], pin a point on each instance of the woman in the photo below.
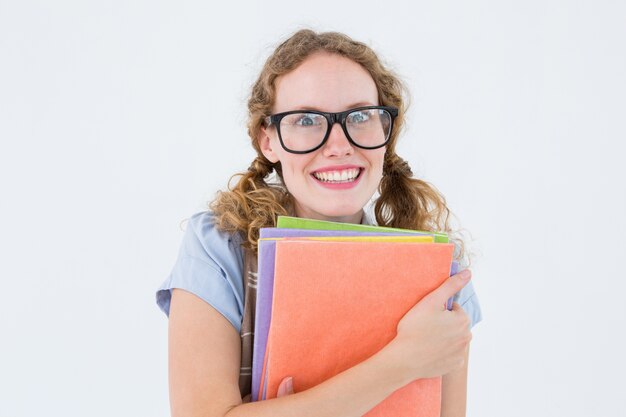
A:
[313,95]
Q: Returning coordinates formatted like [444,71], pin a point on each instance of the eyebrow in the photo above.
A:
[352,106]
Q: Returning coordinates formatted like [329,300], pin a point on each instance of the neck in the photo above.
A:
[355,218]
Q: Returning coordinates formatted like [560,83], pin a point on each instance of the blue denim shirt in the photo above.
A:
[210,265]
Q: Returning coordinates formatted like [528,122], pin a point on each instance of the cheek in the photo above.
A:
[377,169]
[377,160]
[377,177]
[294,168]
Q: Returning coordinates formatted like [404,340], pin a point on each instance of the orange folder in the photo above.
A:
[408,238]
[336,303]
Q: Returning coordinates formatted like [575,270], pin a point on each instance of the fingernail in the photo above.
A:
[290,385]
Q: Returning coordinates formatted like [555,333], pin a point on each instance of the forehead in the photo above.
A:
[326,82]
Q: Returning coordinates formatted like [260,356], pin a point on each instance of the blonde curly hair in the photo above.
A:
[254,202]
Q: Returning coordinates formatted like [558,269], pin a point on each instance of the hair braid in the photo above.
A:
[408,202]
[251,203]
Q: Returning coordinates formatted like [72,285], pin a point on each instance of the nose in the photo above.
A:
[337,144]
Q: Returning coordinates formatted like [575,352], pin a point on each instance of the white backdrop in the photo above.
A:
[120,119]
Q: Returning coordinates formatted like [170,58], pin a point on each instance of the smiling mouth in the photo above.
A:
[338,177]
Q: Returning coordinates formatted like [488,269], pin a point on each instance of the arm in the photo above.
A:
[454,391]
[204,360]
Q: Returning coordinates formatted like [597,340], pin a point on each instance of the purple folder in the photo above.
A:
[265,288]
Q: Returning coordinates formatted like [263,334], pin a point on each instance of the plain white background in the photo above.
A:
[120,119]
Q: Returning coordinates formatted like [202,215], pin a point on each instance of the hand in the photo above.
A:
[285,388]
[431,340]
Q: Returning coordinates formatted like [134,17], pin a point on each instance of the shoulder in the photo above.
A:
[204,242]
[202,236]
[368,217]
[209,265]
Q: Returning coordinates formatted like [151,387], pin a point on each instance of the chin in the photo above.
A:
[339,212]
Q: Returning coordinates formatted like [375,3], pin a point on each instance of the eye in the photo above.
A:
[359,117]
[308,120]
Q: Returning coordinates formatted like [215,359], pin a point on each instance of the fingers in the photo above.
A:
[456,307]
[450,287]
[285,387]
[463,275]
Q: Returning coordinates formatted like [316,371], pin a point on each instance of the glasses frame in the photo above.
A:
[332,118]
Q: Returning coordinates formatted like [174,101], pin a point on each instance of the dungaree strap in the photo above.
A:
[247,325]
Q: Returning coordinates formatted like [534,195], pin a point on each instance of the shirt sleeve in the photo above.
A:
[209,265]
[468,300]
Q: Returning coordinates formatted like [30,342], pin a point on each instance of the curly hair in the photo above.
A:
[254,202]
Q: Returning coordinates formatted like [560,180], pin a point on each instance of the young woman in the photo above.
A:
[311,114]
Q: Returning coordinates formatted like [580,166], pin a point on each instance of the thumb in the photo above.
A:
[285,387]
[451,286]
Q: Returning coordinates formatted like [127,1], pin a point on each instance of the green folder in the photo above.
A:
[287,222]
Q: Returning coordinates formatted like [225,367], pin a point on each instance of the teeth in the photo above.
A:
[337,176]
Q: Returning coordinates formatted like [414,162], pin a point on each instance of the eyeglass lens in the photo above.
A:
[304,131]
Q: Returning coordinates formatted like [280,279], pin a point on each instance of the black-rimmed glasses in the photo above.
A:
[303,131]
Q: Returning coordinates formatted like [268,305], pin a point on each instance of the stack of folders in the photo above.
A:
[330,295]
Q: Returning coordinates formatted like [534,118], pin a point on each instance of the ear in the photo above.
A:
[265,143]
